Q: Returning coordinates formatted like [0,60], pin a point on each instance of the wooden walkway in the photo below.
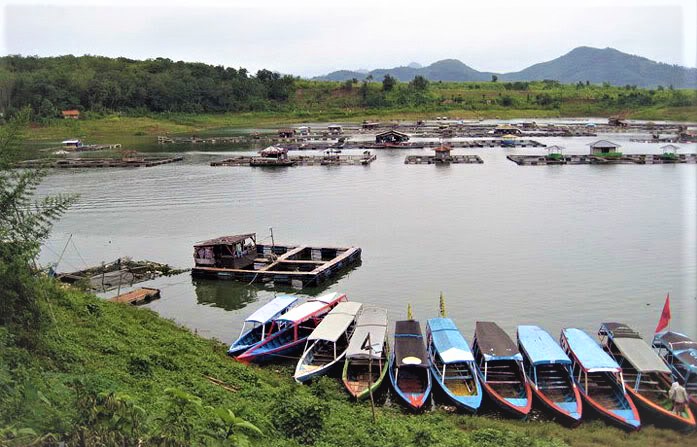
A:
[138,296]
[627,159]
[431,159]
[298,160]
[98,163]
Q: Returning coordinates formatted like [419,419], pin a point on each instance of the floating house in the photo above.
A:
[604,147]
[334,129]
[392,137]
[240,257]
[370,125]
[74,144]
[286,133]
[272,156]
[443,153]
[670,149]
[303,130]
[506,129]
[555,152]
[70,114]
[274,152]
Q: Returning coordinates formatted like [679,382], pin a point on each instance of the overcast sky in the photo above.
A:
[311,37]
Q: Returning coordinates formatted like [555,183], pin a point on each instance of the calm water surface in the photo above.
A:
[556,246]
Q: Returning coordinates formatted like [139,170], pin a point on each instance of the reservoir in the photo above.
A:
[555,246]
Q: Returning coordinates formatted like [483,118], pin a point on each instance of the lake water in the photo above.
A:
[555,246]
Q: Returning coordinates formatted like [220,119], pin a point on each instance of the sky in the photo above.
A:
[312,37]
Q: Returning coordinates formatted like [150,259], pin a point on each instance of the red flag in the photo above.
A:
[665,316]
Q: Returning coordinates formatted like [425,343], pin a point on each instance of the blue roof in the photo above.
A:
[588,352]
[272,309]
[448,341]
[540,347]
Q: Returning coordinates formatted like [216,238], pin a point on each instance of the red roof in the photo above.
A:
[443,149]
[70,112]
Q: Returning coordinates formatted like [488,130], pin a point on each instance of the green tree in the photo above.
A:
[388,83]
[419,83]
[25,222]
[494,78]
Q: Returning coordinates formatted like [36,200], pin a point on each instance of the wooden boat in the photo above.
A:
[500,369]
[452,365]
[680,354]
[294,327]
[646,376]
[326,345]
[262,322]
[365,366]
[599,380]
[409,372]
[548,369]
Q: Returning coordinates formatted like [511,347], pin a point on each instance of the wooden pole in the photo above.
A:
[370,377]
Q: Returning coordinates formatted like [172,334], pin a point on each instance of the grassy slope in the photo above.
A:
[117,347]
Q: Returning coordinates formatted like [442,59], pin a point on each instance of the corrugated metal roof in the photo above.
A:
[336,322]
[494,343]
[637,352]
[588,352]
[448,341]
[225,240]
[540,347]
[409,344]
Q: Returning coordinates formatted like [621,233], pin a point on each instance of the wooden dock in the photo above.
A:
[295,265]
[626,159]
[145,162]
[136,297]
[432,159]
[298,160]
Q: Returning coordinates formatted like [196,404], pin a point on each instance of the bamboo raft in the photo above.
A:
[136,297]
[626,159]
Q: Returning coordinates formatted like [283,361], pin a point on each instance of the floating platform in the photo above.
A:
[627,159]
[298,160]
[432,159]
[239,257]
[122,272]
[136,297]
[146,162]
[467,144]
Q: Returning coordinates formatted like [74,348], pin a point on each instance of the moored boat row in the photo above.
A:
[622,379]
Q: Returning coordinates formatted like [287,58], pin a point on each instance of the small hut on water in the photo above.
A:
[442,154]
[391,136]
[286,133]
[334,129]
[604,147]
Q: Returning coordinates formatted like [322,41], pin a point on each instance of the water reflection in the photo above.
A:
[228,295]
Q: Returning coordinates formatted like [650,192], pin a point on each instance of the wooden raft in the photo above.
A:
[139,296]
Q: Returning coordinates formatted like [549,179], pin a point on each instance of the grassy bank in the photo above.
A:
[90,346]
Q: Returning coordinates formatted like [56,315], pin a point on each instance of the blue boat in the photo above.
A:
[294,327]
[680,354]
[646,376]
[262,322]
[548,369]
[500,369]
[452,365]
[599,380]
[409,372]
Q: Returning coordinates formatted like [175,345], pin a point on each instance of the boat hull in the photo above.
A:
[413,401]
[257,355]
[610,417]
[365,392]
[566,417]
[469,404]
[320,371]
[660,416]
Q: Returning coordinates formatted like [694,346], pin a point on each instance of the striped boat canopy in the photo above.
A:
[540,347]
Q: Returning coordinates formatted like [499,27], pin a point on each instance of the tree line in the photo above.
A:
[49,85]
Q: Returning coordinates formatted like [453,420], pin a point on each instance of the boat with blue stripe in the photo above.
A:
[599,380]
[548,369]
[500,369]
[409,372]
[262,322]
[680,354]
[294,327]
[452,365]
[646,376]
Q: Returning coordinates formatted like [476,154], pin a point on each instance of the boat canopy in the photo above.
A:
[409,344]
[449,342]
[633,348]
[272,309]
[681,346]
[588,352]
[494,343]
[335,324]
[540,347]
[307,309]
[373,321]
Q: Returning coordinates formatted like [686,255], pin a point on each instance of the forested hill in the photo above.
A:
[581,64]
[52,84]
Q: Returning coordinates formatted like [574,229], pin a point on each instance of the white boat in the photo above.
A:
[326,345]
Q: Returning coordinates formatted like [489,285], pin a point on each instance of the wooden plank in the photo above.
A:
[138,296]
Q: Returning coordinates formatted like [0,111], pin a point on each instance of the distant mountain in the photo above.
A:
[415,65]
[581,64]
